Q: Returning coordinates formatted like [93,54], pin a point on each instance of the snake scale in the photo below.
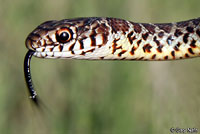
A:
[100,38]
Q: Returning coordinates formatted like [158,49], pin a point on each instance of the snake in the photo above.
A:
[104,38]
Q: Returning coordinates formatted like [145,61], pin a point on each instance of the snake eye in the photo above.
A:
[63,35]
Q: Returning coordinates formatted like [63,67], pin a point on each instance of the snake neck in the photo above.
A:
[140,41]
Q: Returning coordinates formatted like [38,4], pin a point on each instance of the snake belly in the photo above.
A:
[116,39]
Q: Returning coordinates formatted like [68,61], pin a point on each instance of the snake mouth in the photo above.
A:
[31,44]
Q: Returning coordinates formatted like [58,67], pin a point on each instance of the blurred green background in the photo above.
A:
[95,97]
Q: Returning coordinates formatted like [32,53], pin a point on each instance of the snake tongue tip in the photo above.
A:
[35,100]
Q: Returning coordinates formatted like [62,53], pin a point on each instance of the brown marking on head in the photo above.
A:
[81,44]
[50,49]
[49,39]
[99,46]
[90,51]
[95,25]
[102,28]
[72,52]
[104,31]
[39,43]
[71,47]
[83,53]
[104,38]
[34,36]
[93,40]
[60,47]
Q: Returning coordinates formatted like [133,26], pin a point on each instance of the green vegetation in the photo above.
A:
[95,97]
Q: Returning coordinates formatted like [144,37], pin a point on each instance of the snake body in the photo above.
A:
[113,39]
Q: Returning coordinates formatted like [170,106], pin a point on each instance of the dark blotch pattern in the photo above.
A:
[145,36]
[185,38]
[130,37]
[198,32]
[156,41]
[169,40]
[93,40]
[176,48]
[190,29]
[178,33]
[192,44]
[160,34]
[166,57]
[60,48]
[153,57]
[138,42]
[159,49]
[81,44]
[190,51]
[173,53]
[132,50]
[147,48]
[186,55]
[122,52]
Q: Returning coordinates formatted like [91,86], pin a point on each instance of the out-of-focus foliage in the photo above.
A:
[95,97]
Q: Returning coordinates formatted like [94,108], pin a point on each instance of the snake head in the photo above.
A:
[51,36]
[66,38]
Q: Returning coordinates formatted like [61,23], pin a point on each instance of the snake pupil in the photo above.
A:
[63,37]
